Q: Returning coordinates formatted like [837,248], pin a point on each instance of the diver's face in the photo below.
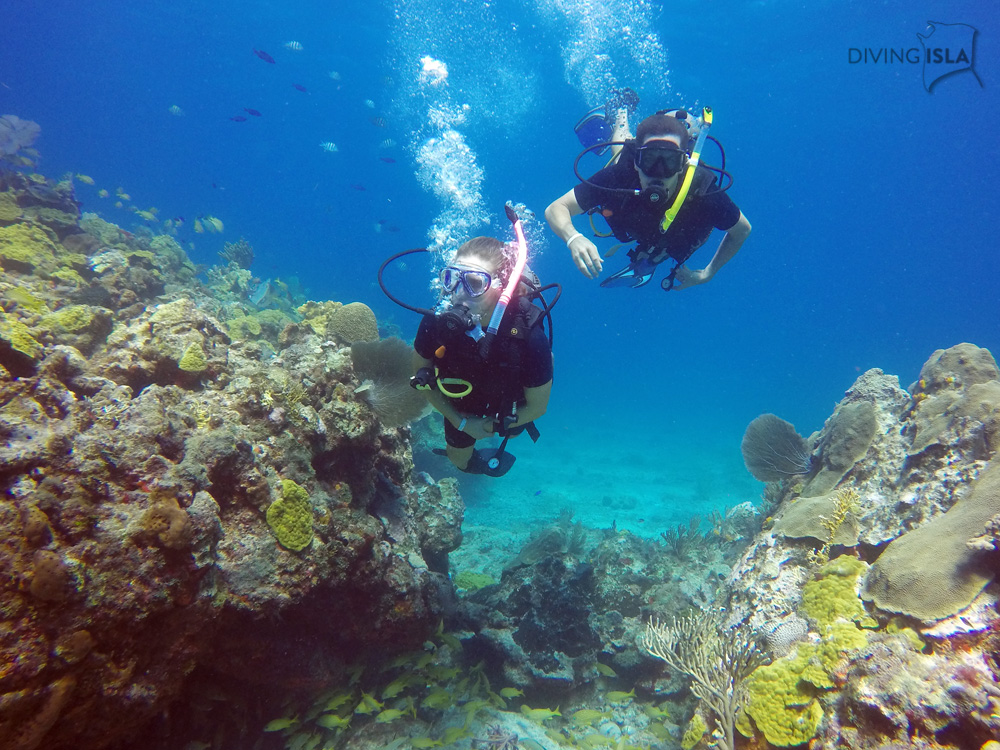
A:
[479,303]
[659,154]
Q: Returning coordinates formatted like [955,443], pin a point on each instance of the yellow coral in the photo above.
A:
[74,318]
[18,336]
[193,359]
[24,247]
[291,517]
[782,704]
[27,300]
[695,731]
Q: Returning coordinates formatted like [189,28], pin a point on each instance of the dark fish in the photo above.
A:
[264,56]
[387,159]
[392,228]
[379,122]
[300,87]
[238,118]
[358,186]
[253,112]
[179,219]
[537,493]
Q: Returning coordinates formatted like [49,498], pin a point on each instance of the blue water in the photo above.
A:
[872,200]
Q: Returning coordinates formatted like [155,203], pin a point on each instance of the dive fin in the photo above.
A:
[479,462]
[635,274]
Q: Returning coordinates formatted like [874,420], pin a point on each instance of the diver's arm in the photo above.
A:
[560,215]
[730,245]
[536,400]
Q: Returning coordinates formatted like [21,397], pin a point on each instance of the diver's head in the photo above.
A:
[477,274]
[661,155]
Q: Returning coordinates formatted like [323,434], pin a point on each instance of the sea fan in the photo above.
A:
[385,367]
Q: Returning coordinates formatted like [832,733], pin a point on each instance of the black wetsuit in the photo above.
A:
[519,358]
[633,219]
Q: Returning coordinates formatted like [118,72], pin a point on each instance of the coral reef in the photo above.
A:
[180,498]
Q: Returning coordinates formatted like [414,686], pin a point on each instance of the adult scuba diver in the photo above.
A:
[655,192]
[488,382]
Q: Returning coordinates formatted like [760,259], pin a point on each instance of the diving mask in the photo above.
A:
[476,283]
[659,160]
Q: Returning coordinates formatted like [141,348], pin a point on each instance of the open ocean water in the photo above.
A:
[872,199]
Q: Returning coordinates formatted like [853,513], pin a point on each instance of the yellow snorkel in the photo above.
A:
[692,167]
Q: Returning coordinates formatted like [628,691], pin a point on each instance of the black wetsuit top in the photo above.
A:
[519,358]
[633,219]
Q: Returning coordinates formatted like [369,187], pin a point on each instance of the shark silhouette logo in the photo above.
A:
[948,48]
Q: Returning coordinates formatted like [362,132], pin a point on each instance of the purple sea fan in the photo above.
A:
[16,134]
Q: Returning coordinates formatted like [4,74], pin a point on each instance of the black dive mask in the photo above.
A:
[659,160]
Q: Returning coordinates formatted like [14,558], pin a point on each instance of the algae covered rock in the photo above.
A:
[846,438]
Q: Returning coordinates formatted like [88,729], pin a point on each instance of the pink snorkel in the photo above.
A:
[515,278]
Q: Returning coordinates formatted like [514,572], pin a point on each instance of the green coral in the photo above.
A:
[470,581]
[18,336]
[782,701]
[833,594]
[243,327]
[193,359]
[24,247]
[291,517]
[696,729]
[68,274]
[74,318]
[27,300]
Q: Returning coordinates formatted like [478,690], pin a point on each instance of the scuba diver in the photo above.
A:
[488,382]
[654,192]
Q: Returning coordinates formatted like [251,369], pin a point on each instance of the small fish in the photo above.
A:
[238,118]
[370,104]
[253,112]
[264,56]
[422,742]
[119,204]
[387,159]
[358,186]
[539,714]
[537,493]
[123,195]
[397,686]
[176,111]
[387,81]
[438,698]
[454,734]
[294,46]
[368,705]
[102,193]
[379,224]
[392,228]
[620,696]
[85,179]
[337,701]
[212,224]
[147,215]
[332,721]
[511,692]
[604,669]
[387,143]
[334,75]
[198,226]
[300,87]
[278,724]
[588,716]
[390,714]
[329,146]
[379,122]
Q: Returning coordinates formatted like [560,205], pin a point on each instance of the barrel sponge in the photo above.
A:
[931,572]
[291,516]
[354,322]
[848,436]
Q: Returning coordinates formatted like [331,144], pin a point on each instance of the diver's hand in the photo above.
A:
[479,427]
[586,256]
[687,277]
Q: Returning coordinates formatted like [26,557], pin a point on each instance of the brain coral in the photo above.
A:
[931,572]
[291,516]
[354,322]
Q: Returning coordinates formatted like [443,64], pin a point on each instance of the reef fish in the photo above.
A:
[264,56]
[387,143]
[387,159]
[176,111]
[329,146]
[370,104]
[238,118]
[334,75]
[300,87]
[539,714]
[85,179]
[379,122]
[253,112]
[294,46]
